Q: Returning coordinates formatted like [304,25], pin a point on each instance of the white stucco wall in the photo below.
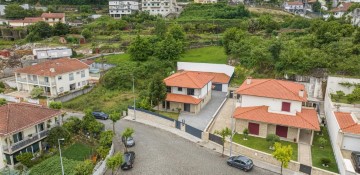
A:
[206,67]
[225,87]
[65,82]
[333,84]
[351,142]
[274,104]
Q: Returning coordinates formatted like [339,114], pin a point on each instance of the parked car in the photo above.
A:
[355,157]
[241,162]
[100,115]
[129,142]
[129,158]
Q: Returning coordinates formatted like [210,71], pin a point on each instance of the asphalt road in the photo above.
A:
[160,152]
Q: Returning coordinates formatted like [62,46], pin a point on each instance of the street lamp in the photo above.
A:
[62,166]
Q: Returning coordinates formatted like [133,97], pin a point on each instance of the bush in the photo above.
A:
[2,101]
[73,125]
[55,105]
[246,133]
[84,168]
[106,138]
[56,133]
[322,141]
[36,92]
[25,159]
[272,138]
[2,85]
[325,161]
[52,166]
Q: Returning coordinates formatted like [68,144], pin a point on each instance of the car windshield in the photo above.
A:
[248,162]
[127,157]
[129,138]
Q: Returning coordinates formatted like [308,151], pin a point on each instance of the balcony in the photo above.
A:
[44,83]
[33,81]
[27,141]
[21,80]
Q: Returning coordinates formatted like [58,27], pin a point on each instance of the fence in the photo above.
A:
[151,116]
[215,138]
[100,168]
[193,131]
[10,98]
[152,113]
[72,95]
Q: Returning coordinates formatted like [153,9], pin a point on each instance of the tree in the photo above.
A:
[322,141]
[125,135]
[157,90]
[140,49]
[25,159]
[246,133]
[60,29]
[86,33]
[177,32]
[316,6]
[160,28]
[36,92]
[84,168]
[356,39]
[283,154]
[56,133]
[3,101]
[272,139]
[338,95]
[114,117]
[85,9]
[106,138]
[39,30]
[169,49]
[223,133]
[114,161]
[73,125]
[55,105]
[14,11]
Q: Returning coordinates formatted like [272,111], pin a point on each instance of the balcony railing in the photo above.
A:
[33,81]
[21,79]
[44,83]
[27,141]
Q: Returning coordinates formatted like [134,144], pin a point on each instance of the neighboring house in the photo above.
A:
[269,106]
[54,76]
[294,6]
[23,128]
[160,7]
[188,91]
[118,9]
[24,22]
[222,73]
[355,20]
[51,53]
[53,18]
[205,1]
[50,18]
[75,23]
[339,11]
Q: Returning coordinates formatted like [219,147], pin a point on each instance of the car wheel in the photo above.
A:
[229,164]
[246,170]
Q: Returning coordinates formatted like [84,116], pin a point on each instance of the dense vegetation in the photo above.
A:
[214,11]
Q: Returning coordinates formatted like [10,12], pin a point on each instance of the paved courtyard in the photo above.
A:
[223,119]
[201,119]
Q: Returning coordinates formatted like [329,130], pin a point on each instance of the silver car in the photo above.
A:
[130,142]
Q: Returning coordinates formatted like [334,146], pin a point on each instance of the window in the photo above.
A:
[40,127]
[190,91]
[71,76]
[82,74]
[77,72]
[168,89]
[180,89]
[78,84]
[285,106]
[46,79]
[61,89]
[83,83]
[59,77]
[18,137]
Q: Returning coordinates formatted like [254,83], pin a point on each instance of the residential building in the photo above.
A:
[56,76]
[294,6]
[160,7]
[205,1]
[339,11]
[119,8]
[269,106]
[24,22]
[23,128]
[51,53]
[53,18]
[50,18]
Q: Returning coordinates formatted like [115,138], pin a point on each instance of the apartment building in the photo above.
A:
[118,9]
[160,7]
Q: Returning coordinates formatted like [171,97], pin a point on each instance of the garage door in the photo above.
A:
[218,87]
[254,128]
[281,131]
[351,143]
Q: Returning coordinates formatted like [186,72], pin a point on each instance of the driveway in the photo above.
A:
[201,119]
[223,119]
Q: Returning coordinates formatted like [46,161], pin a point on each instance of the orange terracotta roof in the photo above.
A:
[306,119]
[347,123]
[53,15]
[16,21]
[188,79]
[294,3]
[15,117]
[88,62]
[61,66]
[343,7]
[217,77]
[182,98]
[272,88]
[32,20]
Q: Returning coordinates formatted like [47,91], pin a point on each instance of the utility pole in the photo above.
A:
[232,123]
[134,97]
[62,166]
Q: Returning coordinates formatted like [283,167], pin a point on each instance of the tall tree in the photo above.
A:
[60,29]
[114,161]
[114,117]
[140,49]
[282,154]
[169,49]
[177,32]
[223,133]
[41,30]
[14,11]
[128,132]
[316,6]
[160,28]
[157,90]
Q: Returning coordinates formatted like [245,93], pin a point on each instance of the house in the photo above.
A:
[205,1]
[222,73]
[53,18]
[56,76]
[160,7]
[23,128]
[51,53]
[118,9]
[269,106]
[294,6]
[340,10]
[187,91]
[24,22]
[355,14]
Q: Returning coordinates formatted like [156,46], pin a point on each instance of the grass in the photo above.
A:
[262,145]
[326,152]
[212,54]
[52,166]
[78,151]
[115,59]
[172,115]
[343,100]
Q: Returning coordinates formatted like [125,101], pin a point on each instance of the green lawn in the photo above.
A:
[52,166]
[344,100]
[326,152]
[115,59]
[212,54]
[78,151]
[262,145]
[172,115]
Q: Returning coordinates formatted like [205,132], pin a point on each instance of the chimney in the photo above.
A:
[52,70]
[301,93]
[248,80]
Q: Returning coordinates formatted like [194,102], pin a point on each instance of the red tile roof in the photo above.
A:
[53,15]
[217,77]
[15,117]
[347,123]
[272,88]
[294,3]
[32,20]
[182,98]
[88,62]
[61,66]
[188,79]
[306,119]
[343,7]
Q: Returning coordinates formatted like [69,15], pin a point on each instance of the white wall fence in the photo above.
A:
[100,168]
[10,98]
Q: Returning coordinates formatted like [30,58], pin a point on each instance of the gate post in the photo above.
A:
[205,136]
[183,127]
[174,123]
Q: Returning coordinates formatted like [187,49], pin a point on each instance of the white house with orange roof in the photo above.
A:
[269,106]
[293,6]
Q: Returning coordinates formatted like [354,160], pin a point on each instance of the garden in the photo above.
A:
[352,98]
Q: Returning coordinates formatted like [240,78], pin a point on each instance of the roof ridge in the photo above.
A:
[305,119]
[265,80]
[254,108]
[277,81]
[191,78]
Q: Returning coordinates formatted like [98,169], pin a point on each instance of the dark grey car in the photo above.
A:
[100,115]
[355,157]
[129,158]
[241,162]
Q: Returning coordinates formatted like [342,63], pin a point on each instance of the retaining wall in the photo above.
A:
[72,95]
[100,168]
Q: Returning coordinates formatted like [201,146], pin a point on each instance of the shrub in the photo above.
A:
[55,105]
[102,151]
[272,138]
[2,101]
[2,85]
[85,167]
[25,159]
[36,92]
[73,125]
[322,141]
[325,161]
[106,138]
[56,133]
[246,133]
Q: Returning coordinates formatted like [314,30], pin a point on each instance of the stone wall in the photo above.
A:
[152,118]
[73,95]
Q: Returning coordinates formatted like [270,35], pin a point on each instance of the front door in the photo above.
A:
[254,128]
[186,107]
[281,131]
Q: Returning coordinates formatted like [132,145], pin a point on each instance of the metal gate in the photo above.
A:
[215,138]
[178,124]
[193,131]
[305,169]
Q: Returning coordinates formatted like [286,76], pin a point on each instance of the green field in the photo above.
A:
[78,151]
[262,145]
[212,54]
[317,153]
[115,59]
